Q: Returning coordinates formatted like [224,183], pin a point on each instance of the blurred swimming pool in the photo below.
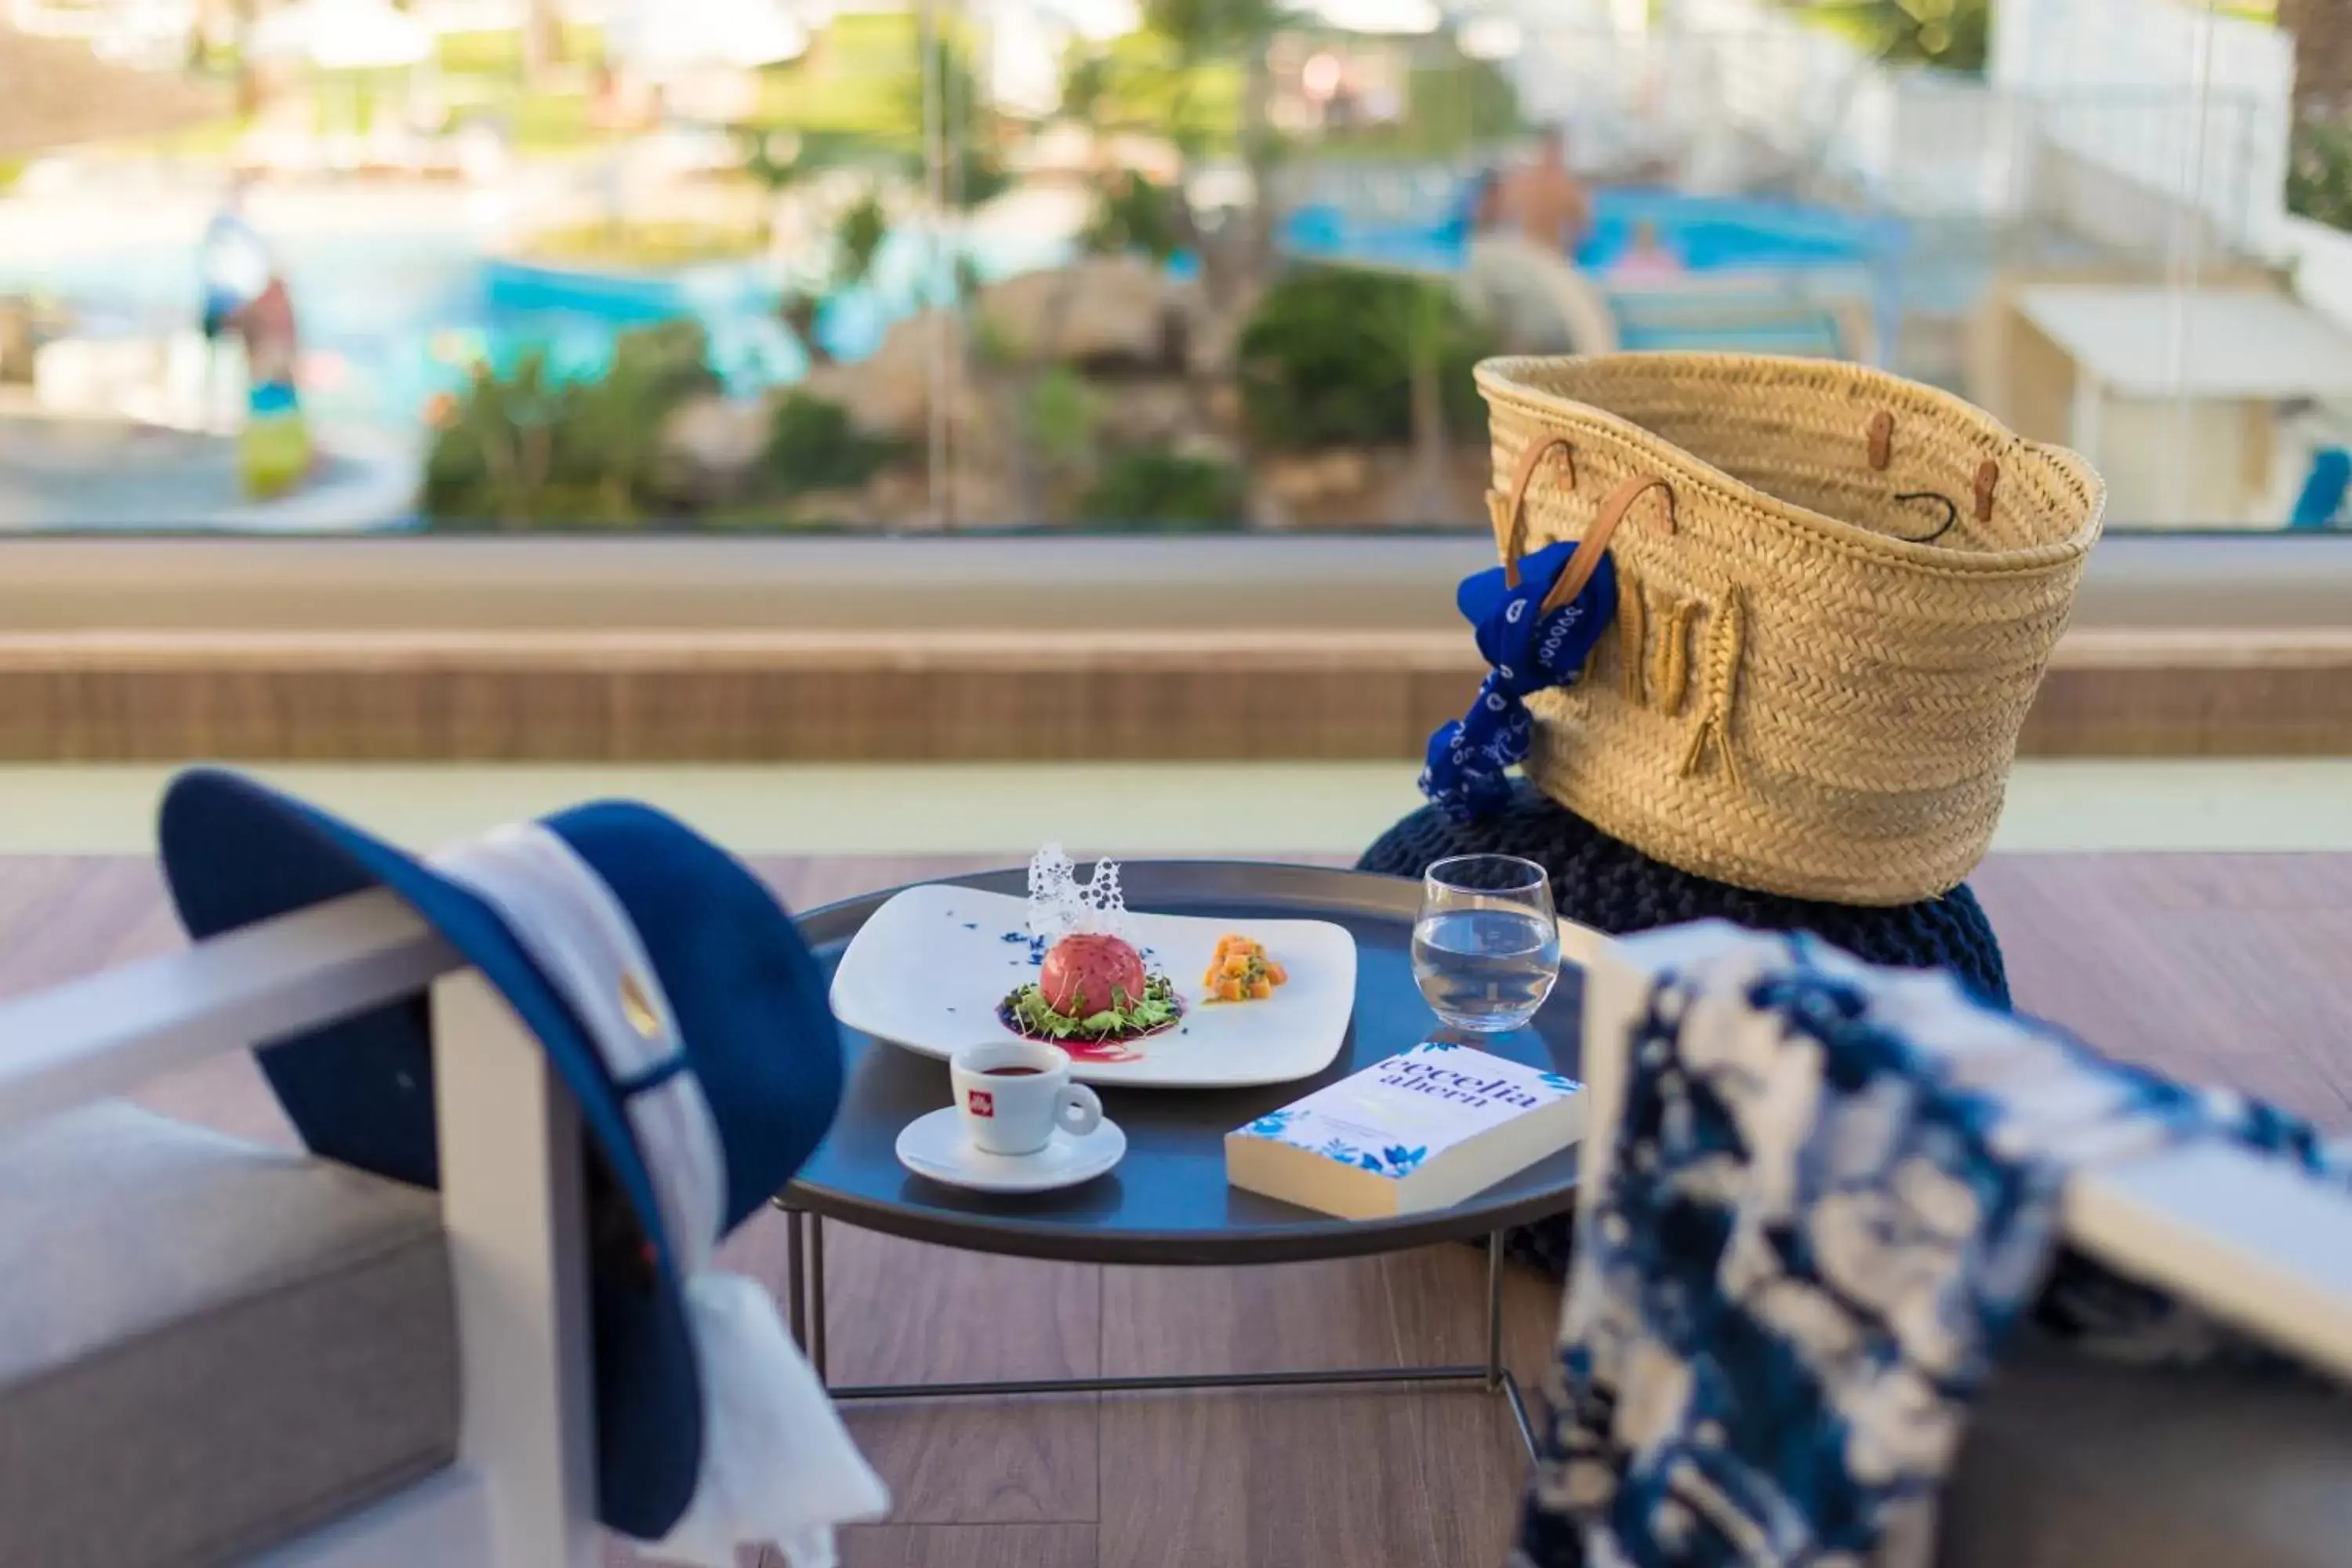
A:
[389,320]
[1708,234]
[1787,250]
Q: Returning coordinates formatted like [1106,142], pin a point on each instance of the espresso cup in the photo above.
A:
[1012,1094]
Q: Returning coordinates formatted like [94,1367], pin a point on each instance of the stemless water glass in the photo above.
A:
[1486,945]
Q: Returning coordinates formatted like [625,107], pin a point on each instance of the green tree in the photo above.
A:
[971,170]
[1422,326]
[1206,31]
[1132,216]
[1196,75]
[858,236]
[783,162]
[1952,35]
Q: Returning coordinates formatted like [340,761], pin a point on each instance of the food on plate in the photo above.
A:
[1241,971]
[1092,989]
[1091,974]
[1094,993]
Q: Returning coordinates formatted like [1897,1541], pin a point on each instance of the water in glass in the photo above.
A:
[1486,945]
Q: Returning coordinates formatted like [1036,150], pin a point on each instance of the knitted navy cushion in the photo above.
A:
[1602,882]
[1608,885]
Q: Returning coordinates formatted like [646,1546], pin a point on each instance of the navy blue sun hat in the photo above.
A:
[746,1019]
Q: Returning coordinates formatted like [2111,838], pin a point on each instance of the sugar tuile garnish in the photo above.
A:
[1062,906]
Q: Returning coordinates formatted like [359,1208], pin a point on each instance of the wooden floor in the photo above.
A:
[2223,968]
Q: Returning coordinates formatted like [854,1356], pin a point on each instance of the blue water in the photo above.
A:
[390,321]
[1773,242]
[1708,233]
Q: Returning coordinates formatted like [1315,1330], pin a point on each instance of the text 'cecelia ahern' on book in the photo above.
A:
[1417,1132]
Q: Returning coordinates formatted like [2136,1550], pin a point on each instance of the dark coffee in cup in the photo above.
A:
[1011,1072]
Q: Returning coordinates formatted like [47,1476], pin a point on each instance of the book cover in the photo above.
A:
[1418,1132]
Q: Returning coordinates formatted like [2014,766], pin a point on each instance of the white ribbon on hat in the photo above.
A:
[777,1464]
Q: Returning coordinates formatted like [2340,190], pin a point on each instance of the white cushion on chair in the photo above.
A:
[207,1347]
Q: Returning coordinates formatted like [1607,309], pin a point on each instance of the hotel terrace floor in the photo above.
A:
[2216,965]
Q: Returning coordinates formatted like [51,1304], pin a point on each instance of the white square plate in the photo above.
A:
[927,971]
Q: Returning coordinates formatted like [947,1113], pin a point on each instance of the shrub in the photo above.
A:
[1157,490]
[531,445]
[2319,172]
[1132,216]
[813,446]
[1059,418]
[1325,360]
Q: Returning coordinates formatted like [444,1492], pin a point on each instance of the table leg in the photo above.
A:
[1494,1312]
[816,1296]
[795,1288]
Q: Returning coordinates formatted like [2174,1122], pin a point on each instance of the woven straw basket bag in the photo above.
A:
[1837,593]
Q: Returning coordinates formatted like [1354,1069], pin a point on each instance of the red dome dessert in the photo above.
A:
[1093,997]
[1083,975]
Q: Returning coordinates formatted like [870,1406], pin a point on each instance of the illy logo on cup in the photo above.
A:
[982,1102]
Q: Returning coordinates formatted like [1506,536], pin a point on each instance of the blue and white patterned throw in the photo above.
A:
[1529,652]
[1831,1194]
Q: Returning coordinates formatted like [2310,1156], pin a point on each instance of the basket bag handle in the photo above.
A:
[1595,542]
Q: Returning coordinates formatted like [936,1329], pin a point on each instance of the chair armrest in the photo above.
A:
[107,1032]
[514,1204]
[2247,1239]
[2253,1241]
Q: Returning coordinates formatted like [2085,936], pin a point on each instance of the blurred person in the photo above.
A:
[274,450]
[1529,295]
[1547,202]
[234,267]
[1647,257]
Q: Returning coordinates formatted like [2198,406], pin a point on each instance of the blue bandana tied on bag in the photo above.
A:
[1530,651]
[1830,1194]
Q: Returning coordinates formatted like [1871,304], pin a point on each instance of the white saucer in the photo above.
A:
[935,1146]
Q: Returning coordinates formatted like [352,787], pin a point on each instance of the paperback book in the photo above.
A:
[1418,1132]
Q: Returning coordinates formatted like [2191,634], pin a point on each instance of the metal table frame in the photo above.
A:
[804,1300]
